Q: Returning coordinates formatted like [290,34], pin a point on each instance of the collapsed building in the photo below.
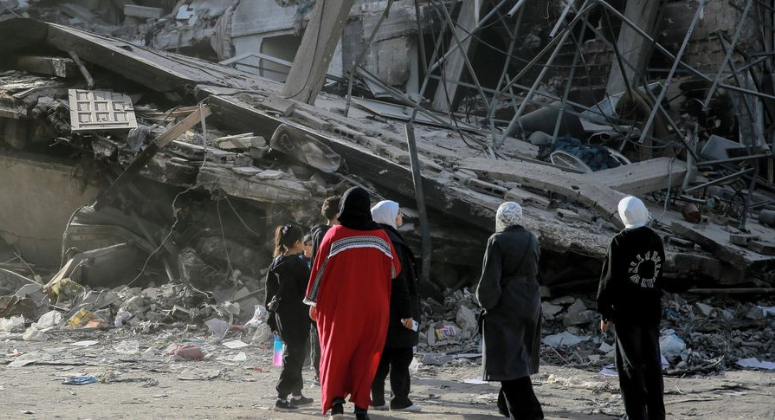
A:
[128,163]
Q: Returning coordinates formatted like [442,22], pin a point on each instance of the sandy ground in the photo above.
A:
[154,385]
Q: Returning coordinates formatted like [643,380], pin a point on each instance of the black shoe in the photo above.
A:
[337,409]
[361,413]
[301,401]
[283,405]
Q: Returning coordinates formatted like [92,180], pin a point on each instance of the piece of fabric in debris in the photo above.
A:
[596,157]
[633,212]
[509,214]
[355,210]
[385,212]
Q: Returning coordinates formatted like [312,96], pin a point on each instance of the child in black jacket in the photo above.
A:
[630,297]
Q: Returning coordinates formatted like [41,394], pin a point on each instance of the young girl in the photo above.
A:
[286,284]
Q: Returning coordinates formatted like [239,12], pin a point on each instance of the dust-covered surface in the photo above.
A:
[150,383]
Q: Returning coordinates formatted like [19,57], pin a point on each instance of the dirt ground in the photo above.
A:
[152,384]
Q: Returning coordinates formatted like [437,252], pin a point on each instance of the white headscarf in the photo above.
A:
[385,212]
[509,214]
[633,212]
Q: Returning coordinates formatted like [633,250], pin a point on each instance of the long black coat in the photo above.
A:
[292,318]
[404,296]
[509,292]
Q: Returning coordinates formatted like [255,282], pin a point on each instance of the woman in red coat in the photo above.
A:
[349,291]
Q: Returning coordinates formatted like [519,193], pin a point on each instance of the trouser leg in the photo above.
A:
[378,386]
[629,365]
[653,382]
[399,377]
[291,381]
[315,350]
[521,400]
[503,408]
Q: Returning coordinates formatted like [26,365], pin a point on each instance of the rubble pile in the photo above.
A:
[697,336]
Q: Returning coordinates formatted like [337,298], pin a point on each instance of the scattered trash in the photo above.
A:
[80,380]
[609,372]
[768,310]
[671,346]
[263,336]
[258,317]
[564,339]
[50,319]
[240,357]
[11,324]
[235,344]
[128,347]
[754,363]
[447,331]
[434,359]
[122,316]
[475,381]
[34,334]
[86,343]
[188,351]
[86,319]
[466,319]
[218,327]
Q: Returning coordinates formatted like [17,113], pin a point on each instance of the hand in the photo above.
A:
[407,323]
[313,313]
[604,326]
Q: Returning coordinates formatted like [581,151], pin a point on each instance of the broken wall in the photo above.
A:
[40,193]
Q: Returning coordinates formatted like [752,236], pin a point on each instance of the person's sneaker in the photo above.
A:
[414,408]
[282,405]
[383,407]
[301,400]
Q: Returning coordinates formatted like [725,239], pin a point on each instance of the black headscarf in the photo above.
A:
[355,210]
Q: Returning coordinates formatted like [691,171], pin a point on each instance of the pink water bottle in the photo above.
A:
[278,351]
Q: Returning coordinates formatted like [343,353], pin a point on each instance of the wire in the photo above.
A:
[175,211]
[669,185]
[240,217]
[223,237]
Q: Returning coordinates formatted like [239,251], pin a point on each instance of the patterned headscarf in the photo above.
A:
[509,214]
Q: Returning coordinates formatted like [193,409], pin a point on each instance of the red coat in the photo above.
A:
[350,286]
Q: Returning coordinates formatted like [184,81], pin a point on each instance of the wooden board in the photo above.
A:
[642,177]
[603,200]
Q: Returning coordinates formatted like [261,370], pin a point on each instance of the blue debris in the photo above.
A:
[596,157]
[80,380]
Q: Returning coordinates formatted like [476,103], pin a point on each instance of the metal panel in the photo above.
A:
[92,110]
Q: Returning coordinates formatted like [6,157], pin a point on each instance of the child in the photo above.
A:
[286,285]
[630,297]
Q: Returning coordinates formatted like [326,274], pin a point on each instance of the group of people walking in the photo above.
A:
[349,293]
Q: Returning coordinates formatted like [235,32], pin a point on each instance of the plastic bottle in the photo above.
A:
[278,351]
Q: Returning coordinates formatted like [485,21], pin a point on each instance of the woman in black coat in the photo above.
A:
[402,333]
[286,286]
[508,291]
